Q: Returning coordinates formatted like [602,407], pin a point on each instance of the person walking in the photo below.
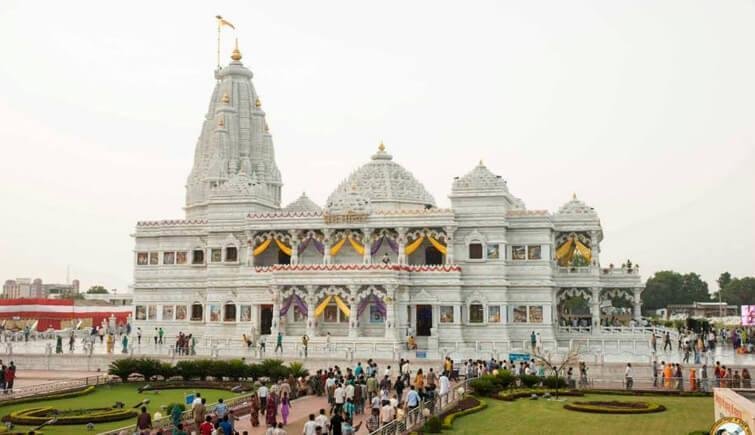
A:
[279,342]
[628,378]
[667,341]
[653,342]
[124,344]
[305,343]
[655,372]
[285,408]
[139,335]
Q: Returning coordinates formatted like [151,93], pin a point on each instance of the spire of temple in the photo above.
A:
[234,139]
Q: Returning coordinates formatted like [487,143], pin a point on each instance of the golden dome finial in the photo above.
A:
[381,148]
[236,54]
[257,102]
[226,99]
[574,195]
[481,164]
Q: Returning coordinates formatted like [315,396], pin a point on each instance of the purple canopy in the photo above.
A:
[296,301]
[379,304]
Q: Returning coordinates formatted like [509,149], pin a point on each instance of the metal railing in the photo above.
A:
[416,417]
[53,387]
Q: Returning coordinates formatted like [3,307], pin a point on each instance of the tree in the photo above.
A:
[550,361]
[668,287]
[97,290]
[723,280]
[739,291]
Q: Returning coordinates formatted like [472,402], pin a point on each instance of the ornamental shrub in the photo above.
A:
[433,425]
[484,386]
[297,369]
[553,382]
[503,379]
[529,381]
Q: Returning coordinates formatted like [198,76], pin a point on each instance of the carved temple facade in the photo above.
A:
[378,262]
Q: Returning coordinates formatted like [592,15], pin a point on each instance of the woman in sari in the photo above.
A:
[285,407]
[271,409]
[254,416]
[692,380]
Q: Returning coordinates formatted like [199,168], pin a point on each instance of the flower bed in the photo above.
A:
[37,416]
[510,396]
[615,407]
[62,395]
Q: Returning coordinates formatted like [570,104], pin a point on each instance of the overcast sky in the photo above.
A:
[645,109]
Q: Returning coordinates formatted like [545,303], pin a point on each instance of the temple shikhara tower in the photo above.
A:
[375,264]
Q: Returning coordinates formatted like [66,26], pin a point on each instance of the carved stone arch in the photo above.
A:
[423,296]
[475,296]
[568,293]
[475,236]
[333,290]
[371,290]
[196,243]
[623,293]
[294,290]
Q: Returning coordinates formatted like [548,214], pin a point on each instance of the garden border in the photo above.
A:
[594,408]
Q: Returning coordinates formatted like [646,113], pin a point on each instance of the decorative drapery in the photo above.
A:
[441,248]
[320,308]
[286,249]
[371,299]
[411,247]
[316,243]
[342,305]
[357,247]
[583,250]
[337,247]
[392,244]
[296,301]
[262,247]
[564,252]
[379,242]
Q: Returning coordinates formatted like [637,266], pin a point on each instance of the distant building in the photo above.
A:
[28,288]
[111,298]
[702,309]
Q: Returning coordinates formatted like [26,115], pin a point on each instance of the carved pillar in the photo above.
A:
[311,302]
[450,244]
[326,246]
[638,304]
[595,249]
[276,310]
[367,243]
[249,248]
[401,238]
[294,247]
[353,307]
[595,308]
[391,324]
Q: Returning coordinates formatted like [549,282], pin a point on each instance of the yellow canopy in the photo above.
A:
[441,248]
[584,251]
[262,247]
[342,305]
[411,247]
[357,247]
[320,308]
[286,250]
[337,247]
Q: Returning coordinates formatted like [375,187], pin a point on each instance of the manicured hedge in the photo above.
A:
[448,420]
[651,393]
[63,395]
[234,369]
[605,408]
[37,416]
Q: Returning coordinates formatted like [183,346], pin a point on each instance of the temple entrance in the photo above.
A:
[424,320]
[433,256]
[266,319]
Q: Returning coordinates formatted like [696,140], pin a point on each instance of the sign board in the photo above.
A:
[748,315]
[421,354]
[516,357]
[189,399]
[733,411]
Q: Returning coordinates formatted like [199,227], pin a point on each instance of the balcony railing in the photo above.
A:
[357,267]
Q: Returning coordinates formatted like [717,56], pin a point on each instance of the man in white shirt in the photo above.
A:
[262,394]
[339,396]
[323,421]
[387,413]
[444,384]
[387,372]
[628,376]
[197,400]
[310,427]
[349,391]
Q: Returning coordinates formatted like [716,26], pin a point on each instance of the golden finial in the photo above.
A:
[236,54]
[226,98]
[381,148]
[257,102]
[267,128]
[481,163]
[574,195]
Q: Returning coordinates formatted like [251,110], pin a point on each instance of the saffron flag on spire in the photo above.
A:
[222,22]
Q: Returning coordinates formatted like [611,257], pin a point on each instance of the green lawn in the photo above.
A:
[524,416]
[105,396]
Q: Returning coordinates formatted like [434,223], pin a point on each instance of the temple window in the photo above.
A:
[299,315]
[216,255]
[534,252]
[446,314]
[229,312]
[245,313]
[231,254]
[197,312]
[151,312]
[214,312]
[154,258]
[528,314]
[333,315]
[180,312]
[376,314]
[520,314]
[169,312]
[181,257]
[518,252]
[493,251]
[476,313]
[142,258]
[197,256]
[535,314]
[475,251]
[169,257]
[494,314]
[140,312]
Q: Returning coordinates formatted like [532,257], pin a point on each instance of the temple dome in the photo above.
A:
[479,180]
[303,205]
[576,207]
[385,184]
